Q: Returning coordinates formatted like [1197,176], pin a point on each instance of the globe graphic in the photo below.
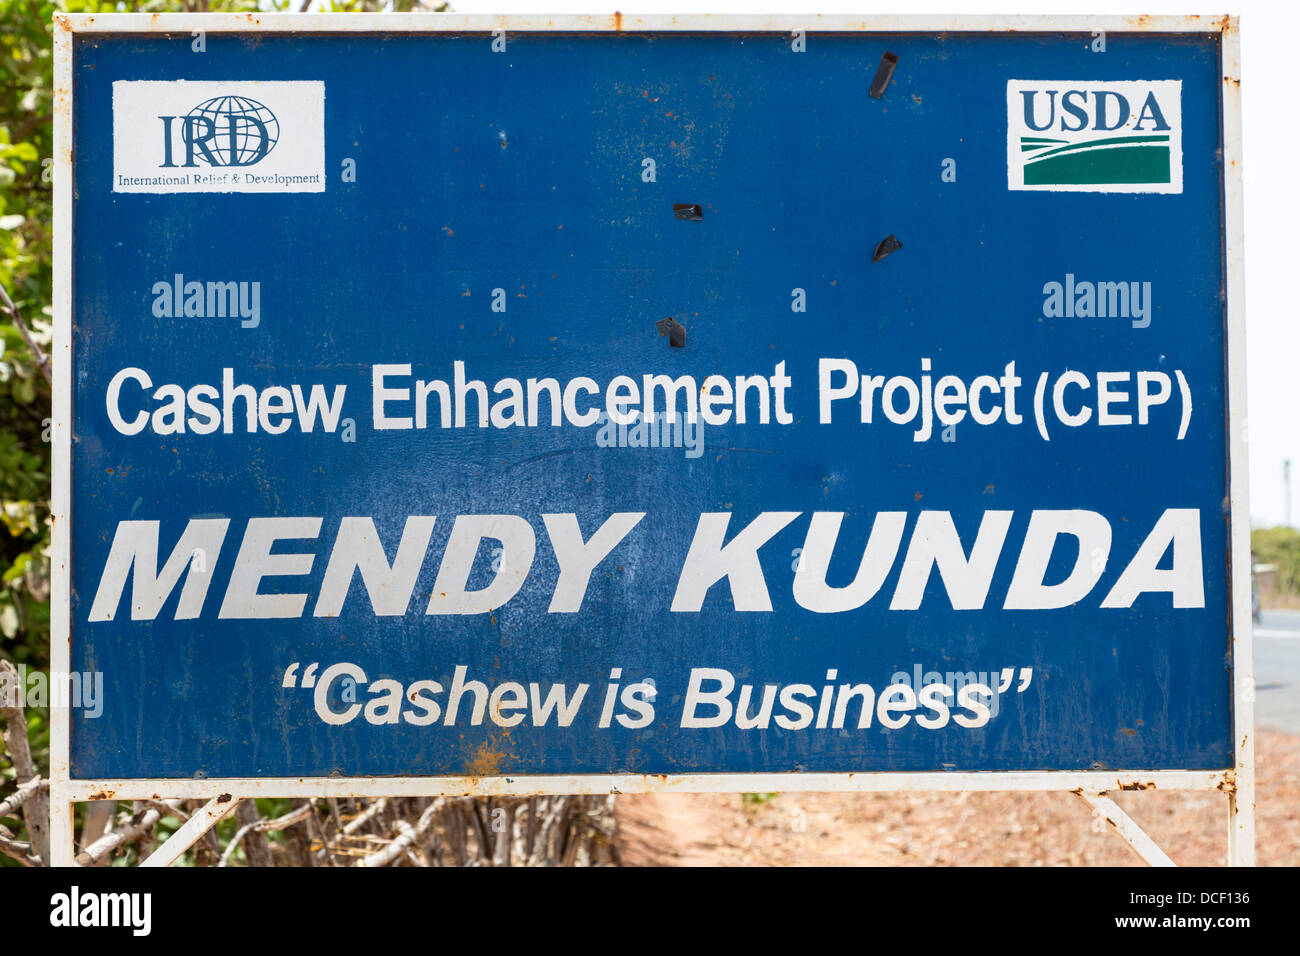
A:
[238,113]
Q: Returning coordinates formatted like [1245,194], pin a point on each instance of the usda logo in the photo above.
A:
[1104,137]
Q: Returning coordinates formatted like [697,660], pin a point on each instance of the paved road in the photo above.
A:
[1277,671]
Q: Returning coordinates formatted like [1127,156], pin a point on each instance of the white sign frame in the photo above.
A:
[1238,781]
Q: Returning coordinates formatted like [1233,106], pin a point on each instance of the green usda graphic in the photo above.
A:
[1095,136]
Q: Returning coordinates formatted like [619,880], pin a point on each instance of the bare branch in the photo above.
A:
[36,812]
[17,849]
[362,818]
[257,851]
[407,835]
[42,361]
[265,826]
[104,846]
[166,808]
[23,794]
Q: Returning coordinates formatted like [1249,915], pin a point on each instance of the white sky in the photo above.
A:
[1272,216]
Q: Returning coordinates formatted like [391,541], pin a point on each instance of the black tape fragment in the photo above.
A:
[888,245]
[675,331]
[883,74]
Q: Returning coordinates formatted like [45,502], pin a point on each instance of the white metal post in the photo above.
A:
[199,823]
[1241,799]
[1133,835]
[62,851]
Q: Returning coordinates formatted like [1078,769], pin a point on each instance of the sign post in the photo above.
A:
[483,406]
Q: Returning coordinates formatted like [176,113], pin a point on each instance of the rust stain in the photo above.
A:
[618,21]
[1138,785]
[1128,730]
[102,795]
[487,760]
[224,798]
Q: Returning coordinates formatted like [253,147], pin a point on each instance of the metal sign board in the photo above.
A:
[482,405]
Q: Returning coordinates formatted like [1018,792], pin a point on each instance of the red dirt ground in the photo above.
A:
[955,829]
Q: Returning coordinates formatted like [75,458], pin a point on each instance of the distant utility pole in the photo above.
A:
[1286,489]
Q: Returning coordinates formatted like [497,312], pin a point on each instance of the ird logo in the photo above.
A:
[1084,136]
[222,131]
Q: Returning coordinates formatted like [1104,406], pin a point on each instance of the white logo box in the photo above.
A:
[1076,125]
[151,120]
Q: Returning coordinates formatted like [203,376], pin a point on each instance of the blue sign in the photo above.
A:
[532,403]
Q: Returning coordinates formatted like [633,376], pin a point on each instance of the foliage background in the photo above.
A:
[1279,547]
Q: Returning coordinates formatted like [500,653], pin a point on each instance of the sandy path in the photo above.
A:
[954,829]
